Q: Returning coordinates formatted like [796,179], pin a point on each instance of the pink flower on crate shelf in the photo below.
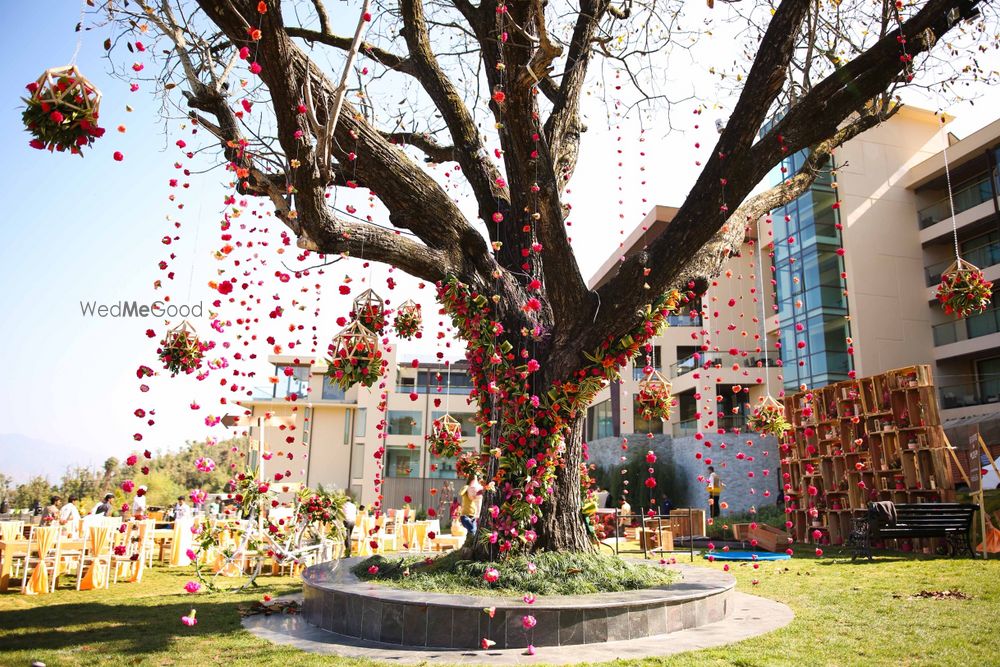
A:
[528,621]
[192,587]
[189,620]
[204,464]
[491,575]
[128,485]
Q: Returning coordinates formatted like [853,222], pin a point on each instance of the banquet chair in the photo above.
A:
[98,554]
[12,531]
[43,553]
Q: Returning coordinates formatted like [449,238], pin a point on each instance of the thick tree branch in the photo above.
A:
[386,58]
[481,173]
[434,151]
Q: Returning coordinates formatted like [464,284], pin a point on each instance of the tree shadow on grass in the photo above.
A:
[131,629]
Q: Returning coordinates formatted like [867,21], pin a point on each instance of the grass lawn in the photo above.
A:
[861,614]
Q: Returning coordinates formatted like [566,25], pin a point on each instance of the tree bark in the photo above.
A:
[562,527]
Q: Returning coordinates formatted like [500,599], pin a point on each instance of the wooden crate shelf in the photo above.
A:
[854,442]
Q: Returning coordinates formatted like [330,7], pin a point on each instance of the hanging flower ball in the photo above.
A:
[445,440]
[61,112]
[964,291]
[369,310]
[180,350]
[355,357]
[408,320]
[768,418]
[654,397]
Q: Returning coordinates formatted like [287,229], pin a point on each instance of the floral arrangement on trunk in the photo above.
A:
[654,397]
[355,357]
[61,112]
[408,320]
[964,290]
[445,440]
[769,419]
[181,351]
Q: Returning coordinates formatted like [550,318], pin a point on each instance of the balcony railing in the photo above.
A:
[983,256]
[976,326]
[722,359]
[967,196]
[970,394]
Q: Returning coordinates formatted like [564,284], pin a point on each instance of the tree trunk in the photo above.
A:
[561,527]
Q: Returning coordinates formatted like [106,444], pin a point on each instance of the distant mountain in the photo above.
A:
[22,457]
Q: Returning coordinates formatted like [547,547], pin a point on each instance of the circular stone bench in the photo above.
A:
[337,601]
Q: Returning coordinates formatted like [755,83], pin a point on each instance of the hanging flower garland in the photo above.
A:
[768,418]
[964,291]
[408,320]
[181,351]
[654,397]
[445,440]
[61,112]
[369,310]
[355,357]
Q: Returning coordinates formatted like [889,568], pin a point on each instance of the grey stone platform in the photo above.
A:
[751,616]
[337,601]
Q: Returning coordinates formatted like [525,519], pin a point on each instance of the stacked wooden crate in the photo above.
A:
[873,438]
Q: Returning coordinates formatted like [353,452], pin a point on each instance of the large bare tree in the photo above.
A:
[814,74]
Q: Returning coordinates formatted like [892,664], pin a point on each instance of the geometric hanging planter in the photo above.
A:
[963,290]
[408,320]
[62,111]
[369,309]
[180,350]
[445,439]
[355,357]
[768,418]
[654,397]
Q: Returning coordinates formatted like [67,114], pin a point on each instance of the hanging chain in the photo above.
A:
[763,315]
[951,201]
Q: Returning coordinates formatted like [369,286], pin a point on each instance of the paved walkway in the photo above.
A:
[752,616]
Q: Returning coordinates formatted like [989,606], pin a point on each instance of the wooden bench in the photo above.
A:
[950,521]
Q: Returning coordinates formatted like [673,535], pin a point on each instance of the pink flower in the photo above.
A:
[137,67]
[531,649]
[491,575]
[191,554]
[192,587]
[532,568]
[528,621]
[128,485]
[486,643]
[132,459]
[189,620]
[373,570]
[529,598]
[255,67]
[245,52]
[204,464]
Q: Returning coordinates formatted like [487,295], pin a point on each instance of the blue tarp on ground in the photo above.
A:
[747,555]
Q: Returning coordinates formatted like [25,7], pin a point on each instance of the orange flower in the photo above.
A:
[262,7]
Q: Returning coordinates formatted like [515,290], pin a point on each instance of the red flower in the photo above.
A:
[118,156]
[262,7]
[533,305]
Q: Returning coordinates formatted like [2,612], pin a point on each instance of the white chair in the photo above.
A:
[98,553]
[42,557]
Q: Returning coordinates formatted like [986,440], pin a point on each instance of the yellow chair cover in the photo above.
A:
[421,534]
[175,546]
[45,538]
[98,572]
[10,530]
[409,531]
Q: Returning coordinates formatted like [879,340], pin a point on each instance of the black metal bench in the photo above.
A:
[950,521]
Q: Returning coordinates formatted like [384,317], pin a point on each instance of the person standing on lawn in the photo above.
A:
[472,502]
[715,487]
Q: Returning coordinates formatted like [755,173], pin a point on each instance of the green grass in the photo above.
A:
[846,614]
[556,574]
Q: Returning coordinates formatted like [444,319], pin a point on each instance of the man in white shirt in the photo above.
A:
[182,510]
[350,518]
[139,503]
[69,515]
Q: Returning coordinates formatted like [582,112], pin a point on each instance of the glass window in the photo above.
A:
[442,468]
[404,422]
[331,391]
[347,427]
[600,421]
[358,461]
[292,379]
[360,422]
[654,425]
[401,462]
[988,376]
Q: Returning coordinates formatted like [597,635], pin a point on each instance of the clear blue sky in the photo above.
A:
[89,229]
